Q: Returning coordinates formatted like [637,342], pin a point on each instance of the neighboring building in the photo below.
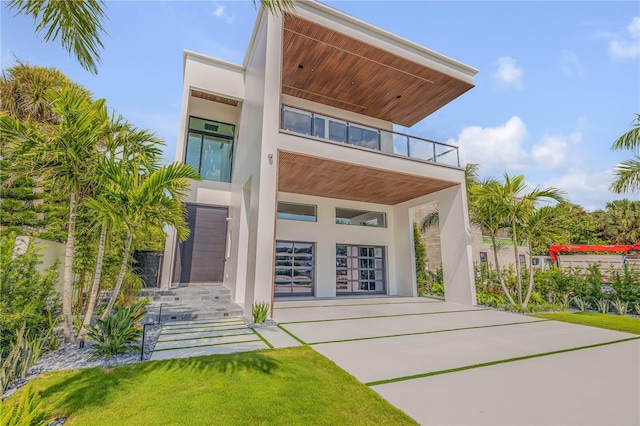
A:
[306,189]
[482,249]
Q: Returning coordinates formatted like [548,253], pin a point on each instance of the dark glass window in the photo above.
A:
[361,218]
[293,211]
[210,148]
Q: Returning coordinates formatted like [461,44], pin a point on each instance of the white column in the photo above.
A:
[455,240]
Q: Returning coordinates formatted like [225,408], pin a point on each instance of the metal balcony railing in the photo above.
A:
[325,127]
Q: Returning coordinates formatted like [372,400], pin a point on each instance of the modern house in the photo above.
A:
[306,189]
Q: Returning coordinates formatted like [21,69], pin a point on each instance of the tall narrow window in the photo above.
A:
[210,148]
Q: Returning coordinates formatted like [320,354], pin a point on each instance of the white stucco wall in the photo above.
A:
[326,233]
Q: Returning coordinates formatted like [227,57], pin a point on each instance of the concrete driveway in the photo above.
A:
[444,363]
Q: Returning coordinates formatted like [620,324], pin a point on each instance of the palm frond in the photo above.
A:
[630,140]
[276,7]
[627,176]
[78,25]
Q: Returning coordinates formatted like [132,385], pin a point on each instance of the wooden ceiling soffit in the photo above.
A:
[214,98]
[324,66]
[308,175]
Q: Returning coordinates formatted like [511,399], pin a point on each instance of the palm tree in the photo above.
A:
[23,88]
[539,226]
[486,215]
[471,179]
[622,222]
[79,24]
[63,154]
[628,172]
[137,200]
[513,205]
[135,150]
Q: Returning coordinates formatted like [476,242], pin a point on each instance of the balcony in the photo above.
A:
[326,128]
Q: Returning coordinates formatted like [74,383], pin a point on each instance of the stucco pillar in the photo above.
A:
[455,237]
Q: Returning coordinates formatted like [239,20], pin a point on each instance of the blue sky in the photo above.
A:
[558,81]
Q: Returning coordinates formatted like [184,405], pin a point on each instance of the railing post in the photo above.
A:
[434,152]
[379,140]
[408,147]
[313,123]
[458,156]
[347,141]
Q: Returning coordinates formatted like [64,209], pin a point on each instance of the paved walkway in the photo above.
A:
[183,339]
[444,363]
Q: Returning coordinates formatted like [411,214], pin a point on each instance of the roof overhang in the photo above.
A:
[322,177]
[402,84]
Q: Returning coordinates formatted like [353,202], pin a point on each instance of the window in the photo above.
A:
[535,261]
[361,218]
[293,211]
[360,269]
[210,148]
[483,257]
[522,259]
[294,269]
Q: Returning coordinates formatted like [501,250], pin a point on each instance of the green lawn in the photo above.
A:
[608,321]
[295,386]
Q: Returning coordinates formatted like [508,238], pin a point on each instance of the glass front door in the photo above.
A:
[360,269]
[294,269]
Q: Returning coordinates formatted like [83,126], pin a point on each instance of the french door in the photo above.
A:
[360,269]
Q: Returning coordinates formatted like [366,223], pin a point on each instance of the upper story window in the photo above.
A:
[210,148]
[361,218]
[294,211]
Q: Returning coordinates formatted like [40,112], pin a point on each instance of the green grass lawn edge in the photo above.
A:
[621,323]
[278,386]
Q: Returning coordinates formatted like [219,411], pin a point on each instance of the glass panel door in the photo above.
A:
[294,274]
[359,269]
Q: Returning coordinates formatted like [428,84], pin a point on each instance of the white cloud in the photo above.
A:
[494,148]
[221,13]
[572,65]
[508,74]
[502,148]
[551,152]
[627,47]
[590,190]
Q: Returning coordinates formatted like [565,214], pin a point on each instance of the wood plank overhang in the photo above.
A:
[325,66]
[322,177]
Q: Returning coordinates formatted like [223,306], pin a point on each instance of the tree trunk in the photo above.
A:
[502,284]
[530,289]
[67,288]
[96,283]
[514,237]
[123,268]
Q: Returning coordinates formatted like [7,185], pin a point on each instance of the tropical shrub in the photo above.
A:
[115,334]
[260,311]
[626,284]
[620,306]
[21,356]
[27,296]
[495,300]
[603,305]
[26,411]
[581,303]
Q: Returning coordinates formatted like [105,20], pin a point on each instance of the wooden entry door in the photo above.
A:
[201,257]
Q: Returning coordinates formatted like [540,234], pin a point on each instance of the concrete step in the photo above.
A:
[195,311]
